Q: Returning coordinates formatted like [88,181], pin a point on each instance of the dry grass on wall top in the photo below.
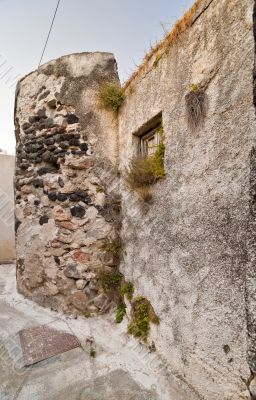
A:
[153,57]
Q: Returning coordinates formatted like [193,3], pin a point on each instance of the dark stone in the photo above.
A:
[46,156]
[57,260]
[74,142]
[17,224]
[46,170]
[87,200]
[72,119]
[74,197]
[43,220]
[34,118]
[38,183]
[36,202]
[33,148]
[79,195]
[38,160]
[52,196]
[77,135]
[64,145]
[49,141]
[31,156]
[42,113]
[60,182]
[62,197]
[30,131]
[30,138]
[24,166]
[44,95]
[54,159]
[77,211]
[68,136]
[83,146]
[57,151]
[58,137]
[48,123]
[52,147]
[62,154]
[61,129]
[25,126]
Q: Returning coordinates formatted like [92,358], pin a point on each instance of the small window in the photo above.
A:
[150,141]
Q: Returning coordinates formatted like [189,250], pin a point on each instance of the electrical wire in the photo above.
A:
[49,32]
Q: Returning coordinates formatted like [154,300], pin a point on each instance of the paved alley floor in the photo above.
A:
[122,369]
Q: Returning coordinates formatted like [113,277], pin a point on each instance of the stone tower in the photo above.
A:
[65,176]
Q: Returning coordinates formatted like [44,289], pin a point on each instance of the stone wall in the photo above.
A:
[65,183]
[187,251]
[7,246]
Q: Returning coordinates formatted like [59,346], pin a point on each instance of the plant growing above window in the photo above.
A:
[111,96]
[195,106]
[145,171]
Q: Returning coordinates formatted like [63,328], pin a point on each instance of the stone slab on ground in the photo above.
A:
[41,342]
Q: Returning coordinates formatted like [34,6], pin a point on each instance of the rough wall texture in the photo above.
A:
[7,246]
[187,252]
[190,251]
[66,157]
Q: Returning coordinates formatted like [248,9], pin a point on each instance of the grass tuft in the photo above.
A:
[145,171]
[92,352]
[142,315]
[120,313]
[127,290]
[111,96]
[110,280]
[115,248]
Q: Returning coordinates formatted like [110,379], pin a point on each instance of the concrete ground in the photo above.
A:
[122,369]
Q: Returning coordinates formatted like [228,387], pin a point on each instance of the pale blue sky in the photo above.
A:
[123,27]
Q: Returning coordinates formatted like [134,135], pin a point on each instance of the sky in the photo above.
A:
[126,28]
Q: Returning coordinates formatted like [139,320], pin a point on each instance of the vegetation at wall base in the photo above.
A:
[92,352]
[120,313]
[115,249]
[110,280]
[127,290]
[142,315]
[111,96]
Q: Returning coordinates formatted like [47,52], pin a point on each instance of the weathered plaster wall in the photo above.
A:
[7,246]
[65,175]
[187,252]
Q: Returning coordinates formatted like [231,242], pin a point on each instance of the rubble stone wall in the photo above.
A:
[65,175]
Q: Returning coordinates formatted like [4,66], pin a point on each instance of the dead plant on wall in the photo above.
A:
[195,107]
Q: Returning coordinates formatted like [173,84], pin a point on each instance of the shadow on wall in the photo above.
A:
[7,241]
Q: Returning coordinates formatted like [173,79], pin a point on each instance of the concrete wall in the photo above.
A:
[7,247]
[187,252]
